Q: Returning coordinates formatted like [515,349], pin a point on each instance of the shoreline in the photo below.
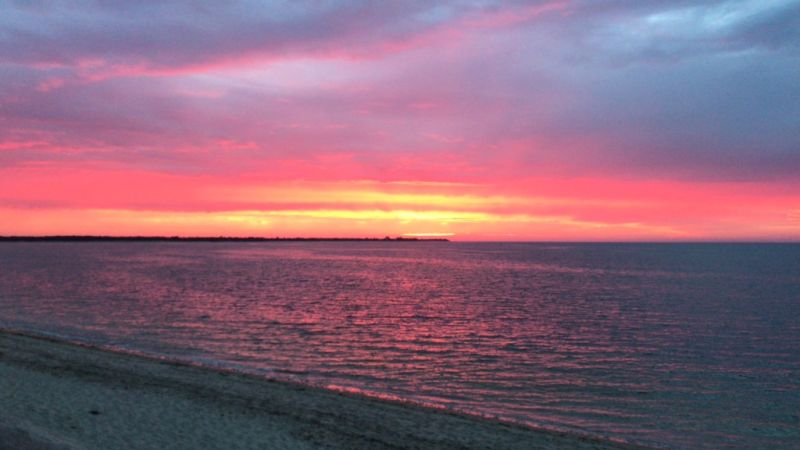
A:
[57,394]
[90,238]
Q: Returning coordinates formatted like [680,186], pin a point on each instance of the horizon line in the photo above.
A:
[80,237]
[222,238]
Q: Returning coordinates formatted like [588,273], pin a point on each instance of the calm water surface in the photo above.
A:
[670,345]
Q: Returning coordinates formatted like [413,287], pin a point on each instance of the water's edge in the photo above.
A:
[264,378]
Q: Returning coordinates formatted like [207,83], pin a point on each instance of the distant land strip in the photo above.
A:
[211,239]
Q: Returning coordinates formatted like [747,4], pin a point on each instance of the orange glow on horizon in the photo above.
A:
[57,200]
[579,210]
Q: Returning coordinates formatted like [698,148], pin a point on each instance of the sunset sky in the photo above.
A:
[478,120]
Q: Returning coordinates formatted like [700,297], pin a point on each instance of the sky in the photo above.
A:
[566,120]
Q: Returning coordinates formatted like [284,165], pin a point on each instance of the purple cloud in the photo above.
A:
[669,89]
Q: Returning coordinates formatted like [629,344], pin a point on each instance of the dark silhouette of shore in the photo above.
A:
[208,239]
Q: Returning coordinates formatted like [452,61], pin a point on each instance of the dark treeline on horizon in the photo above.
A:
[209,239]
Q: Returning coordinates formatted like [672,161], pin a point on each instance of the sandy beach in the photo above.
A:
[58,395]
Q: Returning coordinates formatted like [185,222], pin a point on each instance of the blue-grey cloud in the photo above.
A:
[173,34]
[689,89]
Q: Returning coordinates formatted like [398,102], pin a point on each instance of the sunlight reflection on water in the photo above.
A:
[679,345]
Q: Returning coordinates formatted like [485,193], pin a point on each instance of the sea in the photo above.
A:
[663,345]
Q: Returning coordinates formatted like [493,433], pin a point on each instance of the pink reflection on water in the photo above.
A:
[561,336]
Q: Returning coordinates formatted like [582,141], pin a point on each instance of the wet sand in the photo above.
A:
[58,395]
